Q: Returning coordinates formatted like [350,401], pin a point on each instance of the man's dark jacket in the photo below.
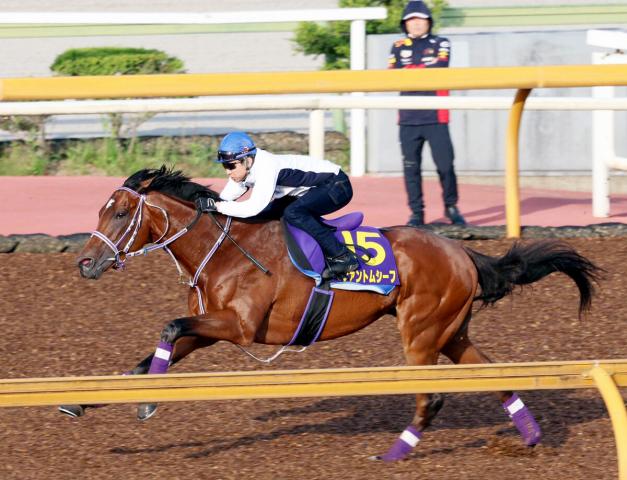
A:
[429,51]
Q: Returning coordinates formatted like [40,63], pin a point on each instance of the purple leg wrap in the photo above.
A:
[403,445]
[161,358]
[523,420]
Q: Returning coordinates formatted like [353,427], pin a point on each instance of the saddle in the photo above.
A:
[377,271]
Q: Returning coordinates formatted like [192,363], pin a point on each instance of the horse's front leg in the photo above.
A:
[181,336]
[183,347]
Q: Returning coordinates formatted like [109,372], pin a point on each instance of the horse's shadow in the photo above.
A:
[367,415]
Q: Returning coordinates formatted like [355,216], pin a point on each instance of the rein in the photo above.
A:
[244,252]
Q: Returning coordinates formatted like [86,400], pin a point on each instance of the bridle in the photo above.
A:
[121,255]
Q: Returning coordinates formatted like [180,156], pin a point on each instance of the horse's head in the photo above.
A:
[120,229]
[124,223]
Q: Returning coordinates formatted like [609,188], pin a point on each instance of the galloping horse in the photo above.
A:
[233,300]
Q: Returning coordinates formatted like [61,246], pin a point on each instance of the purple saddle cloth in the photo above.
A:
[377,267]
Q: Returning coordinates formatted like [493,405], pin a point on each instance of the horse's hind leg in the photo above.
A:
[461,350]
[427,407]
[420,348]
[422,334]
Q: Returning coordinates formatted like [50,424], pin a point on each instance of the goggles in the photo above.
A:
[226,156]
[230,165]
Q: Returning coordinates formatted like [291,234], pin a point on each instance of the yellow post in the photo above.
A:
[616,408]
[512,194]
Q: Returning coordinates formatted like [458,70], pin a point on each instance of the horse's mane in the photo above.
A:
[169,182]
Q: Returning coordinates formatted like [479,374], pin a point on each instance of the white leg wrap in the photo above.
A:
[516,406]
[409,438]
[162,354]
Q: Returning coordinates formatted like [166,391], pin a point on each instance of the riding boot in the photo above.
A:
[339,266]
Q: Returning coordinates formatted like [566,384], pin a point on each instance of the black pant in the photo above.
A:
[412,140]
[304,212]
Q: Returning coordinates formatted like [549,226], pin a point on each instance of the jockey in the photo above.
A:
[309,187]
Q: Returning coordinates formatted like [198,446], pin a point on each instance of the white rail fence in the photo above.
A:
[603,148]
[603,138]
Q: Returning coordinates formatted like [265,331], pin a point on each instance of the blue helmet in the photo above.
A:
[235,146]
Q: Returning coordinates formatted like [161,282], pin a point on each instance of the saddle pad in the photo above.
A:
[377,267]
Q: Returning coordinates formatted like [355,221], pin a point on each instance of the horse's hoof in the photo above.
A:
[146,410]
[533,438]
[73,411]
[388,457]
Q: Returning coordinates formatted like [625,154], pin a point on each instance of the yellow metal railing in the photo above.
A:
[616,408]
[338,81]
[605,375]
[523,79]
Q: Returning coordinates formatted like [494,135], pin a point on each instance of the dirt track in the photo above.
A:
[56,324]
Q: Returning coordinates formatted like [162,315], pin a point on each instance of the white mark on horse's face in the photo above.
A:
[109,203]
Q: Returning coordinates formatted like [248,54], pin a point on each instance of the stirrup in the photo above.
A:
[338,269]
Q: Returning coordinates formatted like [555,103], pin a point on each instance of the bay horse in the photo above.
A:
[235,301]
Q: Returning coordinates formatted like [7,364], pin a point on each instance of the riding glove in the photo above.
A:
[206,204]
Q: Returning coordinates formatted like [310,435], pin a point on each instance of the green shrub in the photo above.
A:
[114,61]
[333,39]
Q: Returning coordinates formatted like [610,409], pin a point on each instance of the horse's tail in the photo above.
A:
[525,264]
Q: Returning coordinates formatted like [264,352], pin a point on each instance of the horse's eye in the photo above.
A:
[121,214]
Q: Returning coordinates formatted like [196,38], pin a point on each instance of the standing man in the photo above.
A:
[420,49]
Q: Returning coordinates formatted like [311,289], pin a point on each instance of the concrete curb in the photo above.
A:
[41,243]
[529,232]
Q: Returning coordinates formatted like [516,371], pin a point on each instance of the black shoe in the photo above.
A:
[416,220]
[339,266]
[452,213]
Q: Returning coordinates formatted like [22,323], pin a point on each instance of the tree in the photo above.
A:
[333,39]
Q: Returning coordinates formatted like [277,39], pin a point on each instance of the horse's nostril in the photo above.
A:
[86,262]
